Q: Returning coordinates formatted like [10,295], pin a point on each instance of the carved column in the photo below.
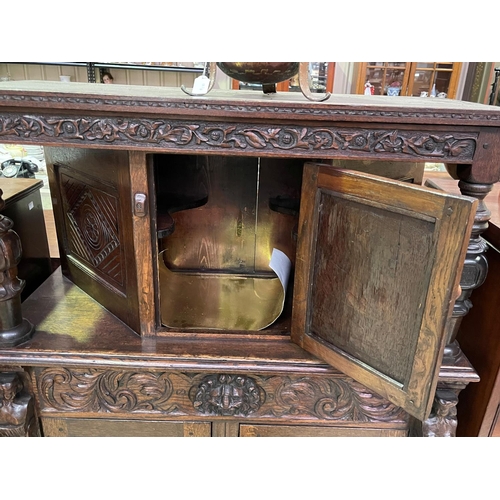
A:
[14,329]
[476,264]
[17,415]
[442,421]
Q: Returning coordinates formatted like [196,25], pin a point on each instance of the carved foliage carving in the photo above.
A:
[331,399]
[93,227]
[305,398]
[103,391]
[241,137]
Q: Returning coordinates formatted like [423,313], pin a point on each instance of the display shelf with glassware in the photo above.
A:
[436,79]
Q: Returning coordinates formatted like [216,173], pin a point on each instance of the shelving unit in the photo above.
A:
[411,77]
[90,72]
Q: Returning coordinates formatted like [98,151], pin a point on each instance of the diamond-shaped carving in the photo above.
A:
[95,231]
[93,228]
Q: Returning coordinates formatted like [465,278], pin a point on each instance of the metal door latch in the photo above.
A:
[140,207]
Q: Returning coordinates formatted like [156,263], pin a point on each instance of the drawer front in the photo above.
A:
[96,427]
[314,431]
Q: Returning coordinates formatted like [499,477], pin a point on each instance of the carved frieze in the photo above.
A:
[240,138]
[176,394]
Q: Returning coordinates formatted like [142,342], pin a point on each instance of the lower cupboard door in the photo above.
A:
[95,427]
[247,430]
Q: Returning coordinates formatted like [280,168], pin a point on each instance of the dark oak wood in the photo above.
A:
[17,410]
[479,334]
[394,266]
[119,152]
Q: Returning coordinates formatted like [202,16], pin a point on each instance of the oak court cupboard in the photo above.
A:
[165,317]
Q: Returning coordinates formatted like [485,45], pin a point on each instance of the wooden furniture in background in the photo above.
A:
[374,300]
[23,205]
[413,77]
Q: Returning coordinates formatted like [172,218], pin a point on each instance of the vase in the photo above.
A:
[393,90]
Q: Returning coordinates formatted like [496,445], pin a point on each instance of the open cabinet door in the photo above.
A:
[378,270]
[93,212]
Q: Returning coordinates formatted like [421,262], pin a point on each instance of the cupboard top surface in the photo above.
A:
[111,343]
[172,101]
[73,327]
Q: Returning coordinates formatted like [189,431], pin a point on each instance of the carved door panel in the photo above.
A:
[378,270]
[93,213]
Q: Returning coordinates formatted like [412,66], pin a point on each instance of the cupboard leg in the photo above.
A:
[442,421]
[17,413]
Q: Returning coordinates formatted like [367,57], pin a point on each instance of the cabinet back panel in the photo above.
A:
[233,227]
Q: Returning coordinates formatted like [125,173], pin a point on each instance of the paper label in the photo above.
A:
[200,85]
[281,265]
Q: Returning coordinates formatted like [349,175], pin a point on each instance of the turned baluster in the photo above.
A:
[443,418]
[476,264]
[14,329]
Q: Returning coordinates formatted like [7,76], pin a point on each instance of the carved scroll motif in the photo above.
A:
[304,398]
[104,391]
[240,137]
[330,399]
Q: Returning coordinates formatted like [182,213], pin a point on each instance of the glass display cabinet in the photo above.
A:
[410,78]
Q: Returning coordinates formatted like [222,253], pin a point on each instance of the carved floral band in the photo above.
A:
[171,135]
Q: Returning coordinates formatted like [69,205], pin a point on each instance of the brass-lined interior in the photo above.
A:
[214,261]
